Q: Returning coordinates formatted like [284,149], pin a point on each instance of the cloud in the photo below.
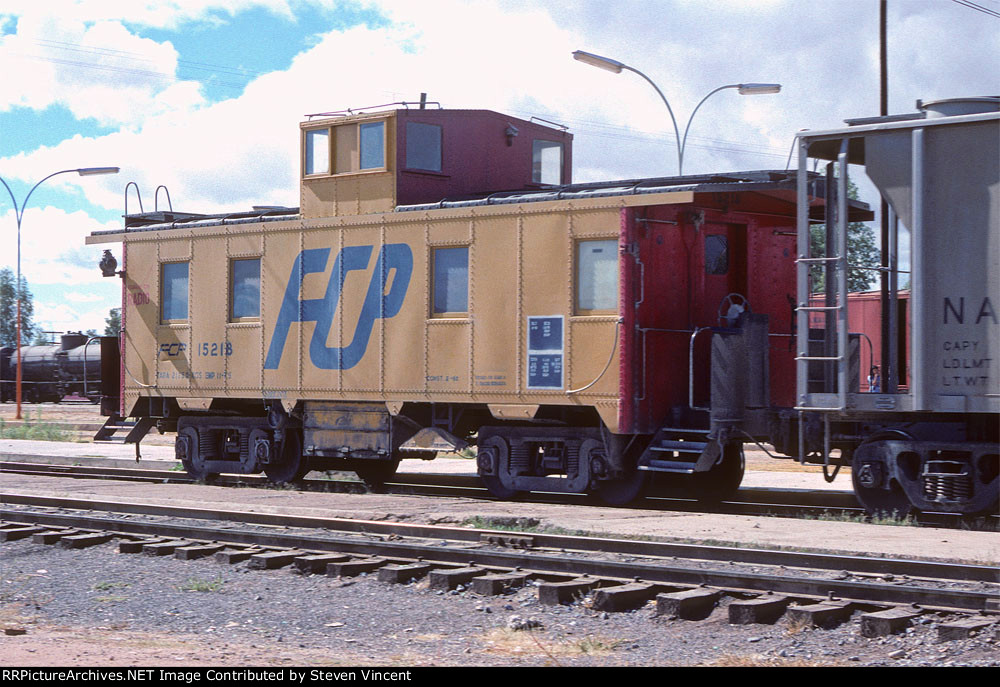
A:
[83,297]
[52,247]
[99,71]
[515,57]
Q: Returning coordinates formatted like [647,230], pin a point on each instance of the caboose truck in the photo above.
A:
[583,336]
[933,444]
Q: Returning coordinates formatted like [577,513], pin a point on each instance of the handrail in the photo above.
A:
[137,195]
[694,335]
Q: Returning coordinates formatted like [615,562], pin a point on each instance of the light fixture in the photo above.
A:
[759,88]
[617,67]
[94,171]
[598,61]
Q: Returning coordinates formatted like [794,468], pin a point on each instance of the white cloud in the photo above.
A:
[52,247]
[516,57]
[83,297]
[60,317]
[99,71]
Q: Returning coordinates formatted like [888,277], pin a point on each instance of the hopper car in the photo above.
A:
[443,283]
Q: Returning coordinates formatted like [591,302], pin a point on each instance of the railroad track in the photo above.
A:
[685,580]
[794,503]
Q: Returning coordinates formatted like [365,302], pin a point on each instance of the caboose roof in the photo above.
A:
[777,185]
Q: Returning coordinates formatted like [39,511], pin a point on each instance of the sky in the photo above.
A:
[204,97]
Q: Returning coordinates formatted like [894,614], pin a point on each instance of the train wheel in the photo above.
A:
[618,492]
[188,451]
[614,492]
[889,502]
[376,473]
[724,479]
[291,465]
[491,463]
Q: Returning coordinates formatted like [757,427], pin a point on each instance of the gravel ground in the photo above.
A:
[97,607]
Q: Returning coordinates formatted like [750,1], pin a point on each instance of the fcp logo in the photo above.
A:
[392,257]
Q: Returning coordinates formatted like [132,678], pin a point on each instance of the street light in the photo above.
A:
[19,214]
[616,67]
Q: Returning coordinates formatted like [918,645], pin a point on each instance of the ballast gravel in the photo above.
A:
[98,607]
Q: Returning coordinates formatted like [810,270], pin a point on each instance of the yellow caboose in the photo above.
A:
[444,283]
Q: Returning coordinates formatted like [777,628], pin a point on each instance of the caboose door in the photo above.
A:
[720,290]
[723,271]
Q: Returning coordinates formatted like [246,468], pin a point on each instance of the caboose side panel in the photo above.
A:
[348,311]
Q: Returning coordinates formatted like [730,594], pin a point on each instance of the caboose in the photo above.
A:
[444,283]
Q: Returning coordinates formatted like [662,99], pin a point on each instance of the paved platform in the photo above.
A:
[743,530]
[115,455]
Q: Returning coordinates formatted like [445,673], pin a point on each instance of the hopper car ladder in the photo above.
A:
[836,290]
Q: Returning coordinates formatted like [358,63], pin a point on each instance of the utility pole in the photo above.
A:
[889,372]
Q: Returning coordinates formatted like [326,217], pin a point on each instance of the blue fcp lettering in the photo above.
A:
[395,257]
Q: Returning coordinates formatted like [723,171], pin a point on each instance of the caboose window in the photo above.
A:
[423,146]
[373,145]
[174,281]
[716,254]
[245,297]
[597,276]
[318,151]
[546,162]
[451,281]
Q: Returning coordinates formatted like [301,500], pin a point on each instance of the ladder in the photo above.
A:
[836,288]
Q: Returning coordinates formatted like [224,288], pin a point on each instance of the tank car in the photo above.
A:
[51,372]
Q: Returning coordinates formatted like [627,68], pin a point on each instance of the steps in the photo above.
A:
[674,450]
[119,430]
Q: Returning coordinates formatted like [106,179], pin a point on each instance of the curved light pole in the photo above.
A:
[19,214]
[615,66]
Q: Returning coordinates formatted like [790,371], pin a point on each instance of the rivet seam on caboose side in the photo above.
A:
[519,327]
[568,304]
[470,286]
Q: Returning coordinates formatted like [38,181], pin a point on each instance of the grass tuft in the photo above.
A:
[759,661]
[880,519]
[35,430]
[195,584]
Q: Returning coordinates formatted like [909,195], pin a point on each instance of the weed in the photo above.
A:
[591,645]
[35,430]
[880,519]
[105,586]
[515,524]
[194,584]
[110,599]
[796,625]
[759,661]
